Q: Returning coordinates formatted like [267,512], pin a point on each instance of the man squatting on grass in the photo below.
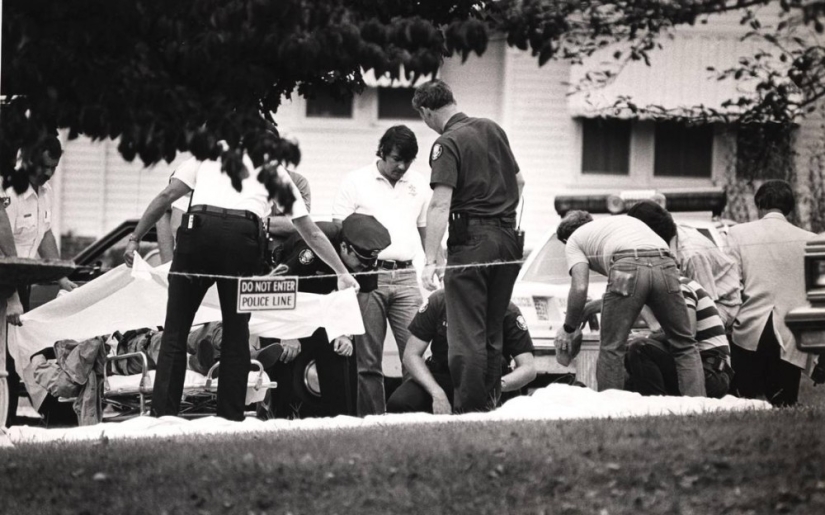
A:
[430,387]
[641,271]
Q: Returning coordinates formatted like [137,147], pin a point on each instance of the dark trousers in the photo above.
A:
[477,299]
[652,370]
[411,397]
[763,372]
[218,245]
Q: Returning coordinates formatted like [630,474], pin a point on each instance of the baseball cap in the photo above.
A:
[365,235]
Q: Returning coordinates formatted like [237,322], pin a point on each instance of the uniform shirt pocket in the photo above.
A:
[25,226]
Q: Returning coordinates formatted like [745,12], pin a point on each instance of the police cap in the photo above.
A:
[365,234]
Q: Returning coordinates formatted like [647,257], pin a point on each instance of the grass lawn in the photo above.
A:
[753,462]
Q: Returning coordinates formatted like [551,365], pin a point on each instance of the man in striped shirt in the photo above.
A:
[650,366]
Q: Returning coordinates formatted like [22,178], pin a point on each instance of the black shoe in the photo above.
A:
[269,355]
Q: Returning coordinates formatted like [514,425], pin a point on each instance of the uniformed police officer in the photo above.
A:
[476,188]
[359,238]
[219,236]
[430,387]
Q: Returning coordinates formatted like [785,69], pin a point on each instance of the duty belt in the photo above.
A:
[499,221]
[240,213]
[389,264]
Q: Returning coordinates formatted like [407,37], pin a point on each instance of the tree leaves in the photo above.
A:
[169,77]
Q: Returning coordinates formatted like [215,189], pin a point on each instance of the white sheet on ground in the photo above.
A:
[555,402]
[131,298]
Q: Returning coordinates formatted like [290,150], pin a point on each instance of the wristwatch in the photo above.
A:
[568,329]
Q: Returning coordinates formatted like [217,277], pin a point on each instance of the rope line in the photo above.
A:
[448,267]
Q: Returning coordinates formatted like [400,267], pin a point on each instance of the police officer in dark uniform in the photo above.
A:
[430,385]
[476,188]
[358,240]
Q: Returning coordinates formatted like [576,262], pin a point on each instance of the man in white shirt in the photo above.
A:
[221,235]
[399,201]
[26,231]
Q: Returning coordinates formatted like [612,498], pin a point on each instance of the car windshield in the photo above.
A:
[550,265]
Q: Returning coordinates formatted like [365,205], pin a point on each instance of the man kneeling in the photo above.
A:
[651,368]
[430,387]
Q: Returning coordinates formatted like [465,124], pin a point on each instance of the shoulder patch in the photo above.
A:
[437,151]
[521,323]
[424,306]
[306,257]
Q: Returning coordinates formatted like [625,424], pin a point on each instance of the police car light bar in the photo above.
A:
[710,199]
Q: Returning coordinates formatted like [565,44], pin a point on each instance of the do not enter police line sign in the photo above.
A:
[267,293]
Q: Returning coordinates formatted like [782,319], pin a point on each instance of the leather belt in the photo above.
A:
[388,264]
[642,253]
[240,213]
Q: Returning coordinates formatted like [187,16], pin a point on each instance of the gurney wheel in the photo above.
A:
[4,400]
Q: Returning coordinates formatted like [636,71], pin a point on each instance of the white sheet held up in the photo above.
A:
[131,298]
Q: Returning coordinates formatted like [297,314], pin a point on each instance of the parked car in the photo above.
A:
[98,258]
[808,322]
[542,285]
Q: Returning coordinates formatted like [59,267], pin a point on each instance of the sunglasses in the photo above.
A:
[367,261]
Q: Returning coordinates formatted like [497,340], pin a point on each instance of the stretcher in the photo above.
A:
[128,396]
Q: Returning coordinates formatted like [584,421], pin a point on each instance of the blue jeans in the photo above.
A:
[396,299]
[650,278]
[477,299]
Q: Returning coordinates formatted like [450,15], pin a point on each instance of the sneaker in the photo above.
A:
[269,355]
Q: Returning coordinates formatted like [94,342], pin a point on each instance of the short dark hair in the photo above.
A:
[656,217]
[400,138]
[775,194]
[572,221]
[433,94]
[51,145]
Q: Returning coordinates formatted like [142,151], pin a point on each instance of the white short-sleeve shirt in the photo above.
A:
[402,208]
[210,186]
[595,242]
[30,214]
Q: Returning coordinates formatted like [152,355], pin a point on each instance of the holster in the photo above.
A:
[458,230]
[520,241]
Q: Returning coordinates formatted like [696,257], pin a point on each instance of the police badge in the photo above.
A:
[5,202]
[306,257]
[437,150]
